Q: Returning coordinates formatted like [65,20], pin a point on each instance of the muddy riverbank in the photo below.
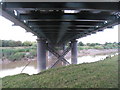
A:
[90,52]
[93,52]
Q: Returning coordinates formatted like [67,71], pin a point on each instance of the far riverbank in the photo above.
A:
[85,52]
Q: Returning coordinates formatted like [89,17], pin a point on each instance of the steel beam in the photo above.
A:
[83,14]
[64,27]
[59,23]
[42,26]
[60,5]
[65,1]
[104,26]
[56,16]
[60,57]
[56,29]
[17,22]
[68,20]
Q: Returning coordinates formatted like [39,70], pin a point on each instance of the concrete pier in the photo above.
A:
[41,54]
[74,52]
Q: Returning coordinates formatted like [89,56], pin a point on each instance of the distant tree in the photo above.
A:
[0,43]
[11,43]
[97,44]
[18,43]
[80,44]
[118,43]
[34,44]
[88,44]
[27,43]
[107,43]
[5,43]
[91,44]
[110,45]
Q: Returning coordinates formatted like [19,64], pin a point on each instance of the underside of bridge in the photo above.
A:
[57,23]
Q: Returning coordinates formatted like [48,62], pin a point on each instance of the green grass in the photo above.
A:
[102,74]
[90,47]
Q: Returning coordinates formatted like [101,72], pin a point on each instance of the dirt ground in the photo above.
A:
[93,52]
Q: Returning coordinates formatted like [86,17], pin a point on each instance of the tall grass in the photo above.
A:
[17,53]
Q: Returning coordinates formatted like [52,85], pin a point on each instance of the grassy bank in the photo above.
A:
[102,74]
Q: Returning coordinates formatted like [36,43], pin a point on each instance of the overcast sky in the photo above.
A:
[9,32]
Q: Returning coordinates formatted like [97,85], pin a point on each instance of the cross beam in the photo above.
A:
[61,6]
[60,57]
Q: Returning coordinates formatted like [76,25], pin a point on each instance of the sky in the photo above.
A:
[107,35]
[17,33]
[9,32]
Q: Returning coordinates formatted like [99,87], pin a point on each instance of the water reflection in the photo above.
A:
[29,70]
[89,59]
[16,67]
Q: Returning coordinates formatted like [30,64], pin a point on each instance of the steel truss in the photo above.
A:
[59,56]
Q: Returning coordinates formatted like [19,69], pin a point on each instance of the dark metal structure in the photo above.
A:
[60,22]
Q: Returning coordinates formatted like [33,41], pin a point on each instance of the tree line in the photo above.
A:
[94,44]
[11,43]
[106,45]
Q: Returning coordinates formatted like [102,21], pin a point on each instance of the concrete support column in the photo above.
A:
[41,54]
[74,52]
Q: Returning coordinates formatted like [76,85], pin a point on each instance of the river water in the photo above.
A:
[14,68]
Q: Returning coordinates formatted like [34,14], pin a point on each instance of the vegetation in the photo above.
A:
[111,45]
[16,50]
[17,56]
[98,46]
[11,43]
[101,74]
[14,54]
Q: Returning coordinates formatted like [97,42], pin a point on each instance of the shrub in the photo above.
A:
[27,43]
[23,50]
[80,48]
[7,52]
[98,47]
[17,56]
[31,54]
[10,43]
